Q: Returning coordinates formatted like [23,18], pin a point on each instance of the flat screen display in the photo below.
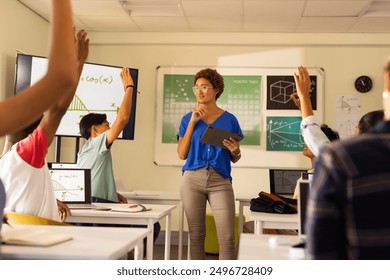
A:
[100,90]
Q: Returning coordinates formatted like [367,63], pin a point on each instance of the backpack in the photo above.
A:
[273,203]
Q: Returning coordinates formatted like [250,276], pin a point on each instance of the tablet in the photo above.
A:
[215,136]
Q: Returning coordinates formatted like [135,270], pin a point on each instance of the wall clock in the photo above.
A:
[363,84]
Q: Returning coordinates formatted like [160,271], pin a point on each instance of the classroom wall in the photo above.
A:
[342,56]
[20,30]
[342,63]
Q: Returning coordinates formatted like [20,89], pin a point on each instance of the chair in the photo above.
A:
[211,241]
[2,202]
[13,218]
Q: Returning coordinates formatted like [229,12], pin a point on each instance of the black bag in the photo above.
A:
[273,203]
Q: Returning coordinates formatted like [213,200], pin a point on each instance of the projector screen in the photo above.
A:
[100,90]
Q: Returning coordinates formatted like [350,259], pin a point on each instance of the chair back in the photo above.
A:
[13,218]
[2,202]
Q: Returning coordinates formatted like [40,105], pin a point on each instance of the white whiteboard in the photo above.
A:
[100,90]
[174,98]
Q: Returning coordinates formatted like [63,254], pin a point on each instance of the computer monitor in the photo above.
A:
[283,181]
[72,185]
[63,165]
[304,190]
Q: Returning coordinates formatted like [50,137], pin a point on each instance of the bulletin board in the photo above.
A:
[258,97]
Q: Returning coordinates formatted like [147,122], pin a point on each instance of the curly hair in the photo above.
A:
[330,133]
[213,77]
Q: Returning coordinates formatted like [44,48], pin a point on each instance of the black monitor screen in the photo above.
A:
[283,181]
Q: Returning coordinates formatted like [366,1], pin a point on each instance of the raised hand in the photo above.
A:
[294,97]
[302,82]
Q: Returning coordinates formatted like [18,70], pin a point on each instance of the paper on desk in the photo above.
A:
[33,237]
[130,208]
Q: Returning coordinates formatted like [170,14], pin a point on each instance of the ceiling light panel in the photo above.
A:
[153,8]
[335,8]
[232,9]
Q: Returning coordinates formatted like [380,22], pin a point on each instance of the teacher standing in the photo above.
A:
[206,173]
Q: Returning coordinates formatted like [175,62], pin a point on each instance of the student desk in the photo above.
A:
[274,221]
[88,243]
[147,218]
[244,200]
[259,247]
[158,197]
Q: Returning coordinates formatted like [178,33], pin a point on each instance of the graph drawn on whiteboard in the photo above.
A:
[348,104]
[68,186]
[283,134]
[241,97]
[100,90]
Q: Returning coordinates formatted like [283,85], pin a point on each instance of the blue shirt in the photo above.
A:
[204,155]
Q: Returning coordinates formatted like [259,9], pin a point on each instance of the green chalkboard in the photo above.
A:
[242,97]
[283,134]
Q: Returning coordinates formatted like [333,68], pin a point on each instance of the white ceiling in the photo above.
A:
[319,16]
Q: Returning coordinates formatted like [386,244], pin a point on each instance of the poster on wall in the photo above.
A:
[279,89]
[284,134]
[246,95]
[241,97]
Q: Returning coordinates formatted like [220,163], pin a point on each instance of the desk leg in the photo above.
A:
[240,218]
[240,223]
[258,228]
[181,228]
[168,238]
[139,250]
[189,250]
[149,241]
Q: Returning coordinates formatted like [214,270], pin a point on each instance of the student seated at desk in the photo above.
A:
[315,133]
[349,194]
[23,169]
[96,152]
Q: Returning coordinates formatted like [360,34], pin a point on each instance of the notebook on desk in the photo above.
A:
[73,187]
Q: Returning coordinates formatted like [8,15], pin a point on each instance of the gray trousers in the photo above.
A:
[197,187]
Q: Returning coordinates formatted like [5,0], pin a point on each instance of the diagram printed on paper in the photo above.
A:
[348,104]
[283,134]
[346,125]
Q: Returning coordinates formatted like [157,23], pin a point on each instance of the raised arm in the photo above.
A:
[314,137]
[124,110]
[60,77]
[52,118]
[303,83]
